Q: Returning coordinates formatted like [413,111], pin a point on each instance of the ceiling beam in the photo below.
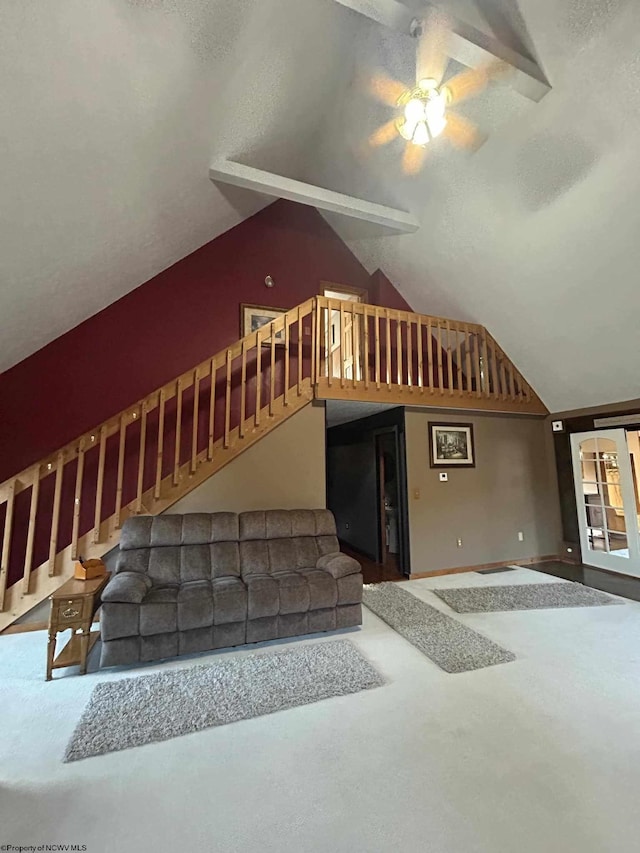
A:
[467,45]
[389,13]
[239,175]
[472,47]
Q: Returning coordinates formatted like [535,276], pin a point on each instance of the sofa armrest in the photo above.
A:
[127,588]
[338,565]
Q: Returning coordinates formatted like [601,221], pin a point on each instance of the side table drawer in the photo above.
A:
[71,611]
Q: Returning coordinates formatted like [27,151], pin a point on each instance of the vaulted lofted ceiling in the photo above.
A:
[110,113]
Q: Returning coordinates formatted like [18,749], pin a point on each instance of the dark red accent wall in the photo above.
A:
[169,324]
[382,292]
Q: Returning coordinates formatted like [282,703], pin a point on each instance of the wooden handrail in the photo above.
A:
[147,456]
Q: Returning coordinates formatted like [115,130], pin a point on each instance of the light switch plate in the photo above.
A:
[557,426]
[443,476]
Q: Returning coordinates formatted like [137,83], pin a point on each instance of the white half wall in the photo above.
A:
[285,470]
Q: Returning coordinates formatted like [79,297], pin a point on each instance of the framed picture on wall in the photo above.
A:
[451,446]
[253,317]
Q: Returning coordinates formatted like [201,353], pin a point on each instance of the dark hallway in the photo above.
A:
[366,491]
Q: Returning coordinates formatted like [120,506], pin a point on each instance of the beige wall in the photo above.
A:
[512,488]
[285,470]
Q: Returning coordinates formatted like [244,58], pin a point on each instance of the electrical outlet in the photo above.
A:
[459,543]
[346,527]
[520,536]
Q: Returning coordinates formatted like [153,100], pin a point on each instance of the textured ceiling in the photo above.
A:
[535,235]
[111,111]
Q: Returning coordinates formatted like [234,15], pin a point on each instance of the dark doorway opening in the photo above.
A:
[367,492]
[389,540]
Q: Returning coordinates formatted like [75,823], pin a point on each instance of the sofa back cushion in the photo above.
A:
[195,528]
[173,549]
[281,540]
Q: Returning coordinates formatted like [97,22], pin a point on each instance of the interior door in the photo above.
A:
[606,501]
[342,335]
[382,515]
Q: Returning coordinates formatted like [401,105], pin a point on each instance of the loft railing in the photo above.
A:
[368,352]
[148,456]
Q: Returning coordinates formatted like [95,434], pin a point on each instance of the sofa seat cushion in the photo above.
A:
[159,611]
[294,592]
[229,600]
[195,605]
[323,589]
[263,596]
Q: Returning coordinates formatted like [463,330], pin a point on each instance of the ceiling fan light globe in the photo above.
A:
[406,129]
[436,126]
[435,109]
[421,134]
[414,110]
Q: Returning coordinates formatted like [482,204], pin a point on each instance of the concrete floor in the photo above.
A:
[542,754]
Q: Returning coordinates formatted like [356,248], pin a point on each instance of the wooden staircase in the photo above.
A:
[144,459]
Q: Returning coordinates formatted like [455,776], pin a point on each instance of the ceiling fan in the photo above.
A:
[424,110]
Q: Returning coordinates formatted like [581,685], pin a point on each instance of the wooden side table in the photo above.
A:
[73,606]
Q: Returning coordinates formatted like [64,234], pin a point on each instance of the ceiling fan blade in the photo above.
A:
[463,133]
[386,133]
[472,81]
[384,89]
[413,159]
[432,49]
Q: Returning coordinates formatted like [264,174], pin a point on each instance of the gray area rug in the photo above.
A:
[150,708]
[537,596]
[447,642]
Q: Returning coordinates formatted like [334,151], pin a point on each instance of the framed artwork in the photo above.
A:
[451,446]
[253,317]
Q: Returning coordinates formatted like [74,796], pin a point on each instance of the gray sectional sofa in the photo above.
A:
[189,583]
